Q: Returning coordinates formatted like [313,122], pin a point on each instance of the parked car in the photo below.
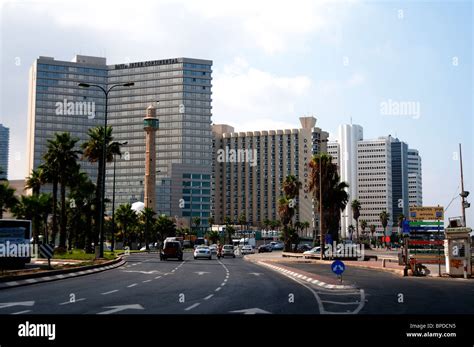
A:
[314,252]
[303,248]
[277,246]
[202,252]
[187,244]
[248,250]
[171,249]
[228,250]
[265,248]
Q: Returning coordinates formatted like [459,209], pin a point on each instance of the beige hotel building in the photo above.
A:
[251,183]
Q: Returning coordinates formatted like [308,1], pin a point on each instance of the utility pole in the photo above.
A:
[463,195]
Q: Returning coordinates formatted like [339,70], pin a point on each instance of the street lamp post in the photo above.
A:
[104,159]
[113,202]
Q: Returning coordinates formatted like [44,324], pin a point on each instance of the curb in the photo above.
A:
[56,275]
[299,276]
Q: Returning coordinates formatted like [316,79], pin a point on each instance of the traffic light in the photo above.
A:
[464,194]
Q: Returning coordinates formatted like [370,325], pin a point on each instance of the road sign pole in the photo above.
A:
[439,255]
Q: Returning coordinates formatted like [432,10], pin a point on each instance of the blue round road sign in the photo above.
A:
[338,267]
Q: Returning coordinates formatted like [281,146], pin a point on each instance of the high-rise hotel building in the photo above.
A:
[179,88]
[252,185]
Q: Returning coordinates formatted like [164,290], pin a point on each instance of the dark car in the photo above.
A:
[303,248]
[265,248]
[171,249]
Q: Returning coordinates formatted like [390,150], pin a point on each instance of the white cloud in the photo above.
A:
[243,94]
[273,26]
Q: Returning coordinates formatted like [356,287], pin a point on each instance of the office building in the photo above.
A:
[4,150]
[179,88]
[400,200]
[249,168]
[345,148]
[374,180]
[415,185]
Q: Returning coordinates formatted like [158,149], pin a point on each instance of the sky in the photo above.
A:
[274,61]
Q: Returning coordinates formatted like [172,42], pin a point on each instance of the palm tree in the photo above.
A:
[363,226]
[35,208]
[196,221]
[66,157]
[49,174]
[372,231]
[7,198]
[384,218]
[93,151]
[147,216]
[356,214]
[126,219]
[165,227]
[400,220]
[305,226]
[83,194]
[213,236]
[291,186]
[230,231]
[334,193]
[34,181]
[210,221]
[285,212]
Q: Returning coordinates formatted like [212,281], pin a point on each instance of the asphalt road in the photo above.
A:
[146,285]
[387,293]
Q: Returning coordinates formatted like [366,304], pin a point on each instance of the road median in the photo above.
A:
[54,275]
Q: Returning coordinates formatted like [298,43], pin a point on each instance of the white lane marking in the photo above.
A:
[157,277]
[225,280]
[208,297]
[21,312]
[222,284]
[72,302]
[31,280]
[132,285]
[192,306]
[110,292]
[146,281]
[217,289]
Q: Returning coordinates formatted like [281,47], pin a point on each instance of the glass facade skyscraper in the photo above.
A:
[399,179]
[4,150]
[180,89]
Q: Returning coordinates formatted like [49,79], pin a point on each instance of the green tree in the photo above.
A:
[363,225]
[34,181]
[62,156]
[93,152]
[196,222]
[334,194]
[230,231]
[355,204]
[7,198]
[50,174]
[35,208]
[165,227]
[213,236]
[147,217]
[126,220]
[82,205]
[372,231]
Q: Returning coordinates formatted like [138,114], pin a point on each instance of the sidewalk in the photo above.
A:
[380,265]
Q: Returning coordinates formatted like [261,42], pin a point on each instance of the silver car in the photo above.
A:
[203,252]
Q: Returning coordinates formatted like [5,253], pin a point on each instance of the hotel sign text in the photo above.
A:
[147,63]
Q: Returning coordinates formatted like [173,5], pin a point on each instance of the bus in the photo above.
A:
[15,243]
